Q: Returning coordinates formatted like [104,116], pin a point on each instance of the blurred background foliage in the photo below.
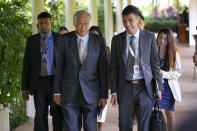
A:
[155,25]
[15,27]
[56,9]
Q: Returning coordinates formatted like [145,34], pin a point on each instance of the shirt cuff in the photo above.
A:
[56,94]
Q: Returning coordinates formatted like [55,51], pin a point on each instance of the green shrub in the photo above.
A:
[154,25]
[14,29]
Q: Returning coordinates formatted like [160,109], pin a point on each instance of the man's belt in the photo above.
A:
[137,81]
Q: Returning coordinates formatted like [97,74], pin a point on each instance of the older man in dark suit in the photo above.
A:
[38,72]
[81,79]
[134,63]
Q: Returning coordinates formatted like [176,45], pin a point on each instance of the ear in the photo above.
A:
[52,23]
[74,25]
[138,19]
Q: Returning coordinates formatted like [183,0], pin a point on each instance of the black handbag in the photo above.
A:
[157,121]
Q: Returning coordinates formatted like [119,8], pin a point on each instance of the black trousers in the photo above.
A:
[43,98]
[134,95]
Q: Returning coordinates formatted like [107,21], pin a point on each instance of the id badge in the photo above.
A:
[136,69]
[44,58]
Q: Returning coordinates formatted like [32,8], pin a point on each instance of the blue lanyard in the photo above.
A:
[49,43]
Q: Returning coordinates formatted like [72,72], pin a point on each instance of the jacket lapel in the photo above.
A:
[54,39]
[90,46]
[74,46]
[123,46]
[37,46]
[55,44]
[142,47]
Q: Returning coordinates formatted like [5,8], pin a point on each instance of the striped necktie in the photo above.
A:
[132,43]
[80,48]
[130,60]
[44,59]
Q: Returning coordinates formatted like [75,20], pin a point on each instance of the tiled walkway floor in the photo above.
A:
[183,109]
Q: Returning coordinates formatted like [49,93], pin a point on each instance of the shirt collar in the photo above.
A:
[48,34]
[84,38]
[137,34]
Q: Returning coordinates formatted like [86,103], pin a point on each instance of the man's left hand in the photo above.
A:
[103,102]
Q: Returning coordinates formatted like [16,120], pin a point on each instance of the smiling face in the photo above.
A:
[162,40]
[82,24]
[130,23]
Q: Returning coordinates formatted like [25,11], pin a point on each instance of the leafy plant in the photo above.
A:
[14,29]
[57,11]
[154,25]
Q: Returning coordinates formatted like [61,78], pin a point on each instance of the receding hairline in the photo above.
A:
[80,13]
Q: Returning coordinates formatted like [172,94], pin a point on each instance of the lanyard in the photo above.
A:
[44,56]
[48,44]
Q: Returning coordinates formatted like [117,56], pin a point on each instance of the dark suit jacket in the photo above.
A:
[149,61]
[91,76]
[32,62]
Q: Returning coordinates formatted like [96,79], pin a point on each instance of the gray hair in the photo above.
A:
[80,12]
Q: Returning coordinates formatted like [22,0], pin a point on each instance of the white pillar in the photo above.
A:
[69,12]
[30,108]
[108,21]
[192,21]
[119,8]
[92,8]
[4,119]
[37,8]
[128,2]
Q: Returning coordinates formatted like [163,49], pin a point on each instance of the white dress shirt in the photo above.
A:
[129,49]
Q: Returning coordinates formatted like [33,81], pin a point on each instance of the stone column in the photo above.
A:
[92,8]
[70,6]
[128,2]
[119,8]
[4,119]
[108,21]
[37,7]
[192,21]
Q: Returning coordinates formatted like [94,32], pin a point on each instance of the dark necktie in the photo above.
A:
[130,60]
[132,44]
[44,59]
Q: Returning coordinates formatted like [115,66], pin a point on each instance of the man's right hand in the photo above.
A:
[159,96]
[25,95]
[57,99]
[114,100]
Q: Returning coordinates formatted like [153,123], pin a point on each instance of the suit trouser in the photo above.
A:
[43,98]
[134,95]
[75,113]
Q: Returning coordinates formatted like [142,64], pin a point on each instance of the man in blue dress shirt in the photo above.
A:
[38,71]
